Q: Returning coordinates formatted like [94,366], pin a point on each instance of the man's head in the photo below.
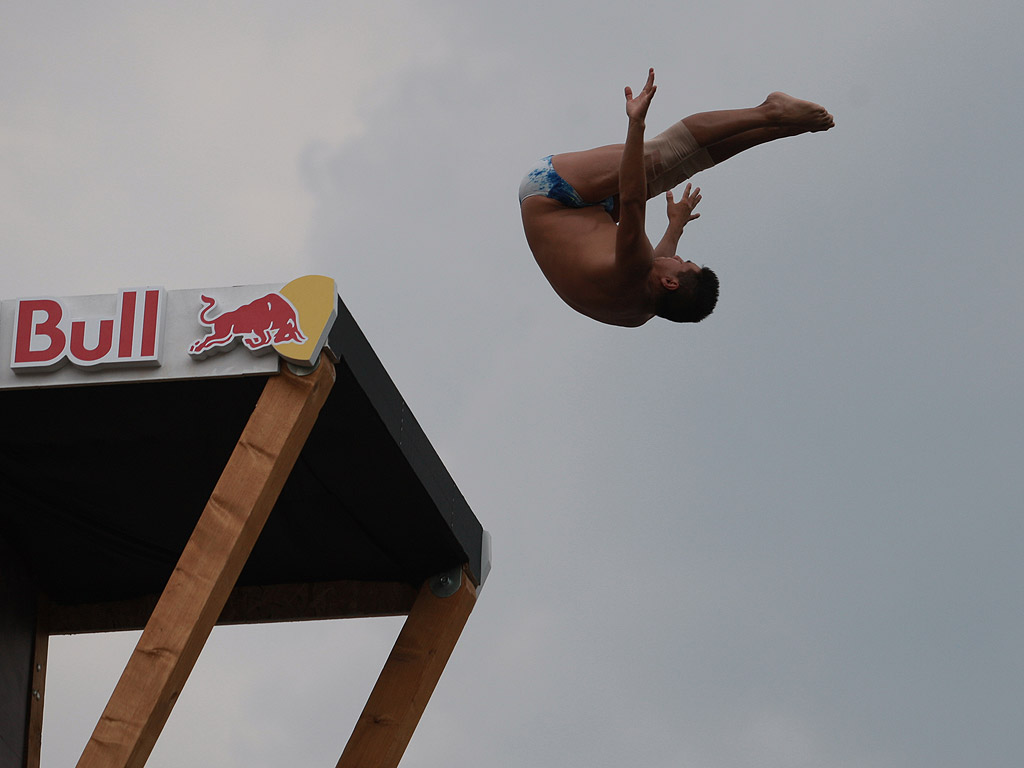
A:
[686,293]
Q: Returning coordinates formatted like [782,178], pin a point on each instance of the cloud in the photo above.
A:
[148,138]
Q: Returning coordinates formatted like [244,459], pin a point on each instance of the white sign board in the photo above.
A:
[152,334]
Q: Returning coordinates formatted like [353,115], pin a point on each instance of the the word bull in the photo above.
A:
[45,335]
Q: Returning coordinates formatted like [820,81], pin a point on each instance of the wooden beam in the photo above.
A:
[251,605]
[326,600]
[208,568]
[34,744]
[408,679]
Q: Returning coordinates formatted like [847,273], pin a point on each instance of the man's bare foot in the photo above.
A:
[806,115]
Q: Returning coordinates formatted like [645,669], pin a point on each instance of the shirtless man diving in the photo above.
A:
[584,212]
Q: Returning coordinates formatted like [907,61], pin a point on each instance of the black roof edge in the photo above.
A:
[347,344]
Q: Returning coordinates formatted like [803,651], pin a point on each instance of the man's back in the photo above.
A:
[575,249]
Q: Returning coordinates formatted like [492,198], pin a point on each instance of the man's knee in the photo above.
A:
[672,157]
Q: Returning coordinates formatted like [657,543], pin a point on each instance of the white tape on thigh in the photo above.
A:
[672,157]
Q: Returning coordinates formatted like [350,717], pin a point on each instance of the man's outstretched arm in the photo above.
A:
[679,215]
[632,248]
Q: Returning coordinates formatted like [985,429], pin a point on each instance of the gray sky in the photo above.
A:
[788,536]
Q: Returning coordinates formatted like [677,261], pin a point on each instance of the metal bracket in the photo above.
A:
[303,370]
[447,583]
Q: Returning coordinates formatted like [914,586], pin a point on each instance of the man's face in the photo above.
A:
[674,264]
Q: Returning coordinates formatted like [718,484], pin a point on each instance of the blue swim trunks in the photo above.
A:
[544,180]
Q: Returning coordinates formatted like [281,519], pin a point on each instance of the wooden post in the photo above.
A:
[208,568]
[37,695]
[408,678]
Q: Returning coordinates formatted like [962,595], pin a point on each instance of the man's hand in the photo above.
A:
[636,109]
[680,214]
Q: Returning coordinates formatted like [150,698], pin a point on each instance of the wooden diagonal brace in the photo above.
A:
[207,570]
[408,678]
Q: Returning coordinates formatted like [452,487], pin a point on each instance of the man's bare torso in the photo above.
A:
[575,249]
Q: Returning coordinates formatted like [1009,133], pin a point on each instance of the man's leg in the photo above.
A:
[699,141]
[723,150]
[708,138]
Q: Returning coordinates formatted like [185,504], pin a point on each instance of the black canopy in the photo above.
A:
[102,485]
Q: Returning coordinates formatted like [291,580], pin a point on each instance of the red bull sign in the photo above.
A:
[152,333]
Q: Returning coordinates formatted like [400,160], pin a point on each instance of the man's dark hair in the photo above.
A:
[693,300]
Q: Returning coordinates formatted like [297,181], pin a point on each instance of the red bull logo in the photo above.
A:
[294,320]
[261,324]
